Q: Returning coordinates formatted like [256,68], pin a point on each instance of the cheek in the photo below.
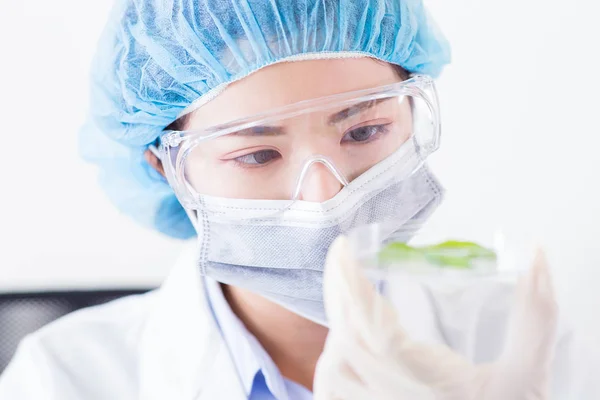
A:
[202,170]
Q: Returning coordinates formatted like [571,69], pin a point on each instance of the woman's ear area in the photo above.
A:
[154,162]
[178,125]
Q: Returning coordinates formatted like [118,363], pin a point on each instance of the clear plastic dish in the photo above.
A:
[430,253]
[453,285]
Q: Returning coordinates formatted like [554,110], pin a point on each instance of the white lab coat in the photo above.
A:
[165,345]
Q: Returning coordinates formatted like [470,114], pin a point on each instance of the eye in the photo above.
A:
[365,133]
[258,158]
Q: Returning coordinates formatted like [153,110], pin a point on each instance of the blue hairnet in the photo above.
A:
[158,57]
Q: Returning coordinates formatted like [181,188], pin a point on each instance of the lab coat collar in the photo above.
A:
[182,355]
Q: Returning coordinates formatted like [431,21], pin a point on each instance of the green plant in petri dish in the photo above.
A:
[450,254]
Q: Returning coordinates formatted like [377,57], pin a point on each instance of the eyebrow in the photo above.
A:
[267,130]
[353,110]
[261,130]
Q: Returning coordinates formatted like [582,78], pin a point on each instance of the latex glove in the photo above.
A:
[368,355]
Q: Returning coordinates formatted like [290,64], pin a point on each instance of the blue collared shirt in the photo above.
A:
[258,373]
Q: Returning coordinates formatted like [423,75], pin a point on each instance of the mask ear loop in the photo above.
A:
[193,216]
[154,150]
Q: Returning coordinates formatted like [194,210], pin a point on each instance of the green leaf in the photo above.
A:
[452,254]
[399,251]
[441,260]
[469,249]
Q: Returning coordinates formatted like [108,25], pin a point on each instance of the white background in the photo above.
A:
[520,143]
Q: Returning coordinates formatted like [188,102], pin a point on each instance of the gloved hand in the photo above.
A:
[368,355]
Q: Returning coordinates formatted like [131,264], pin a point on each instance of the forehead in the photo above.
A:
[290,82]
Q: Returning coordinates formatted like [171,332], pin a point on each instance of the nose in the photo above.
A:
[319,183]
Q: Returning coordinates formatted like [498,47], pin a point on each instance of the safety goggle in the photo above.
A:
[306,151]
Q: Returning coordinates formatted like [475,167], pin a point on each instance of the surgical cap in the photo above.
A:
[158,59]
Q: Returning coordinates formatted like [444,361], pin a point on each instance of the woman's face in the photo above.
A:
[265,162]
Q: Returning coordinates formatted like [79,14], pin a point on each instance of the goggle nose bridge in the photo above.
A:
[305,168]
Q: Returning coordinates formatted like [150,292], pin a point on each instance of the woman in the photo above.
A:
[267,129]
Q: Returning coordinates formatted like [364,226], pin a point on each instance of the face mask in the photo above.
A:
[282,256]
